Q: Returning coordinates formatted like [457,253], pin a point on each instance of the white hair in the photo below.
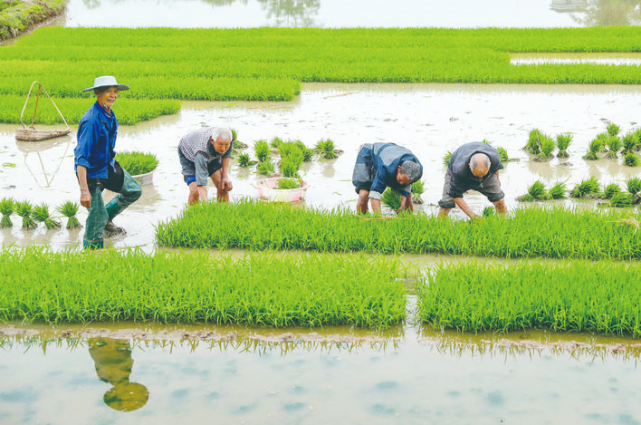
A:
[221,133]
[480,158]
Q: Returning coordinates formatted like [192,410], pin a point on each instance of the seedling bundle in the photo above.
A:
[137,163]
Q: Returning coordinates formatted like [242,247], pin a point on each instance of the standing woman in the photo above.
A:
[96,167]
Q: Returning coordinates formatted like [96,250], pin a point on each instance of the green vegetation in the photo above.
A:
[266,168]
[613,129]
[245,161]
[611,190]
[137,163]
[551,232]
[418,187]
[631,159]
[41,215]
[586,187]
[563,142]
[6,209]
[558,191]
[292,157]
[326,148]
[596,146]
[547,145]
[630,143]
[536,192]
[613,144]
[479,296]
[533,144]
[261,149]
[288,183]
[634,185]
[391,198]
[195,287]
[16,17]
[503,155]
[622,199]
[24,210]
[70,209]
[446,158]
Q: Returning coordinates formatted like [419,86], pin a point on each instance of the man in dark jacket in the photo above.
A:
[473,166]
[380,165]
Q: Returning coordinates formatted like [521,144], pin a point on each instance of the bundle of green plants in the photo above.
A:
[533,144]
[637,137]
[502,155]
[613,144]
[634,185]
[307,152]
[292,158]
[276,142]
[446,158]
[261,149]
[586,187]
[326,148]
[554,232]
[631,159]
[611,190]
[622,199]
[629,142]
[489,211]
[266,167]
[558,191]
[70,209]
[244,160]
[259,289]
[563,142]
[596,146]
[547,145]
[578,296]
[24,210]
[289,183]
[41,215]
[238,145]
[418,187]
[613,129]
[391,198]
[137,163]
[289,167]
[536,192]
[6,209]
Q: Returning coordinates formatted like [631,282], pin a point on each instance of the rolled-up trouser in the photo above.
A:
[128,191]
[490,188]
[364,171]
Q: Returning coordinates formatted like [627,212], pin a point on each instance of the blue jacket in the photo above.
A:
[97,133]
[386,158]
[462,179]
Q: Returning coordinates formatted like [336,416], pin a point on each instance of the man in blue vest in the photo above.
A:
[472,166]
[382,165]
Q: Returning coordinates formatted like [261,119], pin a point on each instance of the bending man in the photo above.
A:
[96,167]
[473,166]
[205,153]
[380,165]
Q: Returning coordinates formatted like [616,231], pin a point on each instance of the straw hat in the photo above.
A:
[106,81]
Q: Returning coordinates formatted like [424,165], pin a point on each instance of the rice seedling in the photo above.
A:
[637,137]
[446,158]
[263,289]
[266,168]
[634,185]
[137,163]
[289,183]
[596,146]
[70,209]
[292,158]
[481,296]
[307,152]
[261,149]
[563,142]
[24,210]
[418,188]
[622,199]
[326,148]
[391,198]
[613,129]
[489,211]
[502,155]
[41,215]
[631,159]
[238,145]
[289,167]
[245,161]
[533,144]
[547,145]
[537,192]
[629,142]
[6,209]
[558,191]
[586,187]
[553,232]
[275,143]
[611,190]
[614,144]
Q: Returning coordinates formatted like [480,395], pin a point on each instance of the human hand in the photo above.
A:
[85,199]
[227,185]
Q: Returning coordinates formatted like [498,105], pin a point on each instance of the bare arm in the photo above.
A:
[407,204]
[85,196]
[460,202]
[226,181]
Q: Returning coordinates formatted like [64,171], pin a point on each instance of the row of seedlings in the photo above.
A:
[31,215]
[591,188]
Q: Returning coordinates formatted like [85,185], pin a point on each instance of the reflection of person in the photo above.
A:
[380,165]
[205,153]
[113,365]
[96,167]
[473,166]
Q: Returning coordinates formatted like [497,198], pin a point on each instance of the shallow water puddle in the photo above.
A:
[429,119]
[165,374]
[576,58]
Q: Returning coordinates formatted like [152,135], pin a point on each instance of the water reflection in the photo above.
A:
[291,13]
[113,365]
[600,12]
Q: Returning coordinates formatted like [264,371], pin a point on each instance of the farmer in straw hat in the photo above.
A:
[96,167]
[380,165]
[473,166]
[205,153]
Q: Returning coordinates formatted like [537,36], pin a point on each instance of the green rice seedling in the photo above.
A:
[586,187]
[533,144]
[596,146]
[307,152]
[24,210]
[261,149]
[234,135]
[6,209]
[391,198]
[417,190]
[536,192]
[634,185]
[637,137]
[41,215]
[622,199]
[137,163]
[611,190]
[489,211]
[266,168]
[502,155]
[613,129]
[558,191]
[563,142]
[578,296]
[243,160]
[547,145]
[292,158]
[289,183]
[614,144]
[631,159]
[238,145]
[629,142]
[70,209]
[446,158]
[289,167]
[275,143]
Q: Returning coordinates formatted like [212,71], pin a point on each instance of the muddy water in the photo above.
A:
[429,119]
[610,58]
[163,374]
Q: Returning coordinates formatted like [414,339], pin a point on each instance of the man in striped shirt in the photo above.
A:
[205,153]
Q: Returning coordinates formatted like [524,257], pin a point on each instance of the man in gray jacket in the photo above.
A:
[473,166]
